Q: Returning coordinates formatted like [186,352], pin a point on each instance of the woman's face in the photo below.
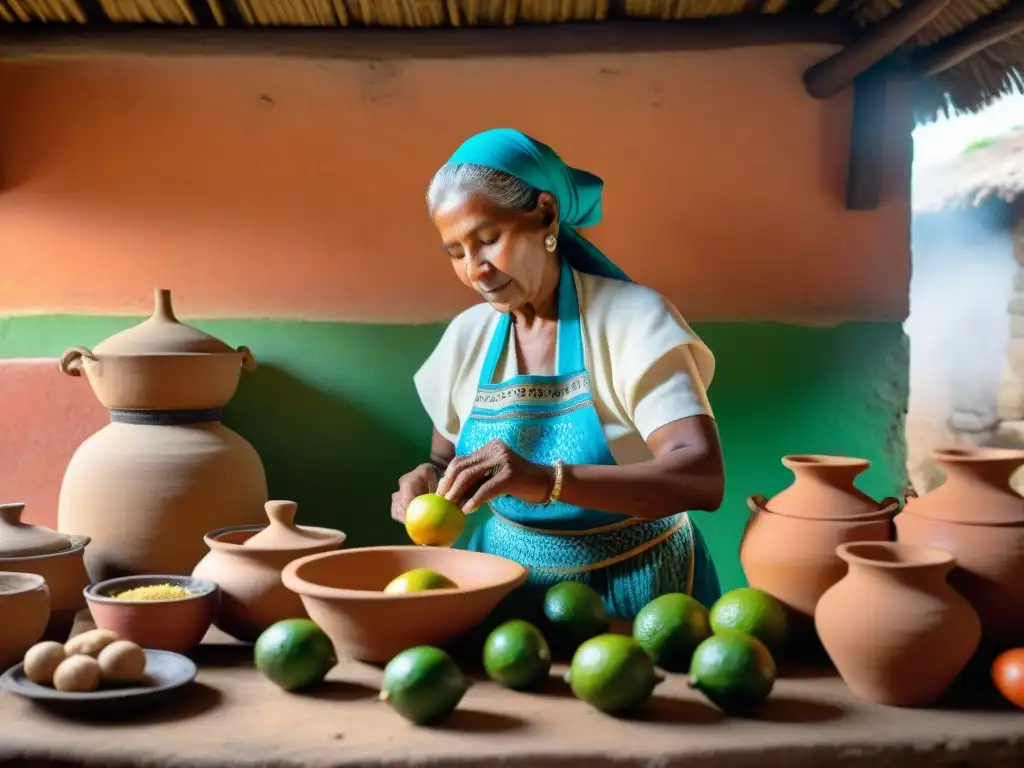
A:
[496,252]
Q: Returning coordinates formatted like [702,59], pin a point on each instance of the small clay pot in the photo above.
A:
[246,562]
[58,558]
[895,629]
[342,591]
[976,515]
[823,488]
[164,625]
[794,558]
[25,613]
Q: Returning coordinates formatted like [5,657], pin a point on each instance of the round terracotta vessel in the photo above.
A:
[823,488]
[57,558]
[25,610]
[895,629]
[165,471]
[342,591]
[794,558]
[160,364]
[246,562]
[978,517]
[164,625]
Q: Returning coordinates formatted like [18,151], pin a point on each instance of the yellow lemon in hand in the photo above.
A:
[433,521]
[418,580]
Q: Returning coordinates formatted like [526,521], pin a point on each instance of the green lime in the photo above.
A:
[418,580]
[735,671]
[294,653]
[752,612]
[517,656]
[612,673]
[574,612]
[423,685]
[670,628]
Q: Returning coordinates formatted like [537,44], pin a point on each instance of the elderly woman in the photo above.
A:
[571,420]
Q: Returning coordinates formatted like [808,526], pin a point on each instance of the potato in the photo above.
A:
[90,643]
[122,662]
[42,660]
[78,674]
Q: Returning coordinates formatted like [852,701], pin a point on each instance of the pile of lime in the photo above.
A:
[727,652]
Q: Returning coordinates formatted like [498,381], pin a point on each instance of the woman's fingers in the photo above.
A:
[465,481]
[492,488]
[458,466]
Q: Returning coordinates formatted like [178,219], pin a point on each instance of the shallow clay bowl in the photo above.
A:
[342,592]
[166,625]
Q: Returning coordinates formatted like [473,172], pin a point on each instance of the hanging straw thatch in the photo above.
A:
[990,168]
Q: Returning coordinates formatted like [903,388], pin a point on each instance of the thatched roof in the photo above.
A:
[988,63]
[990,168]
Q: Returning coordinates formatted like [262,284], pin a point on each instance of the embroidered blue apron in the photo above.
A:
[628,561]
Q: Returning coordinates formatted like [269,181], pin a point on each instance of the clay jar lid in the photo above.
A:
[18,539]
[283,533]
[162,334]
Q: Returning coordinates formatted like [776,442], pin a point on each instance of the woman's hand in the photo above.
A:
[421,480]
[492,471]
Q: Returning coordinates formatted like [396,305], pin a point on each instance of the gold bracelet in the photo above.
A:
[556,489]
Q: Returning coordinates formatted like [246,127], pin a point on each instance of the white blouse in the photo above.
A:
[647,367]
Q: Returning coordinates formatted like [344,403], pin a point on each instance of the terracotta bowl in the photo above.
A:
[342,593]
[164,625]
[25,611]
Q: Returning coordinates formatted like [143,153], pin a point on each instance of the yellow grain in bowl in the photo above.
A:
[156,592]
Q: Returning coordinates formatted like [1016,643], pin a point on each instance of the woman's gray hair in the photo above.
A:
[501,189]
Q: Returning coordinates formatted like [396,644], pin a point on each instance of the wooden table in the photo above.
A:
[233,717]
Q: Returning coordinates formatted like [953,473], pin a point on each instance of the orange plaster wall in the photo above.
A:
[271,188]
[44,417]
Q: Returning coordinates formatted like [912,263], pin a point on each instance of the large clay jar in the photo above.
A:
[895,629]
[25,610]
[57,558]
[791,554]
[246,562]
[976,515]
[147,486]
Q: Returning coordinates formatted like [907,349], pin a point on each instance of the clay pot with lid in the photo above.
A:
[25,609]
[56,557]
[160,364]
[246,562]
[165,471]
[789,546]
[895,629]
[977,515]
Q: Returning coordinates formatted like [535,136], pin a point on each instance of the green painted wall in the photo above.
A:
[333,412]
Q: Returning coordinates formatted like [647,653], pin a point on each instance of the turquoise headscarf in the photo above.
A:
[578,192]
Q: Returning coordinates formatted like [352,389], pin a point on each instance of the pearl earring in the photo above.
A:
[550,243]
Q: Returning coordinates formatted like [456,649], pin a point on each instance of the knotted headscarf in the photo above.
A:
[578,192]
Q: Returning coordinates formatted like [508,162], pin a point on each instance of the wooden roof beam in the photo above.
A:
[950,51]
[829,76]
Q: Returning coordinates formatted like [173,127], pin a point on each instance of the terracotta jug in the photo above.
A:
[823,488]
[147,486]
[895,629]
[246,562]
[794,558]
[976,515]
[25,608]
[57,558]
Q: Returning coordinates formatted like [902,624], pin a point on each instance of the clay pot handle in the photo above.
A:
[11,513]
[890,504]
[71,360]
[248,360]
[757,503]
[281,513]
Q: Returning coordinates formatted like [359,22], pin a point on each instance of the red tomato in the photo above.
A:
[1008,675]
